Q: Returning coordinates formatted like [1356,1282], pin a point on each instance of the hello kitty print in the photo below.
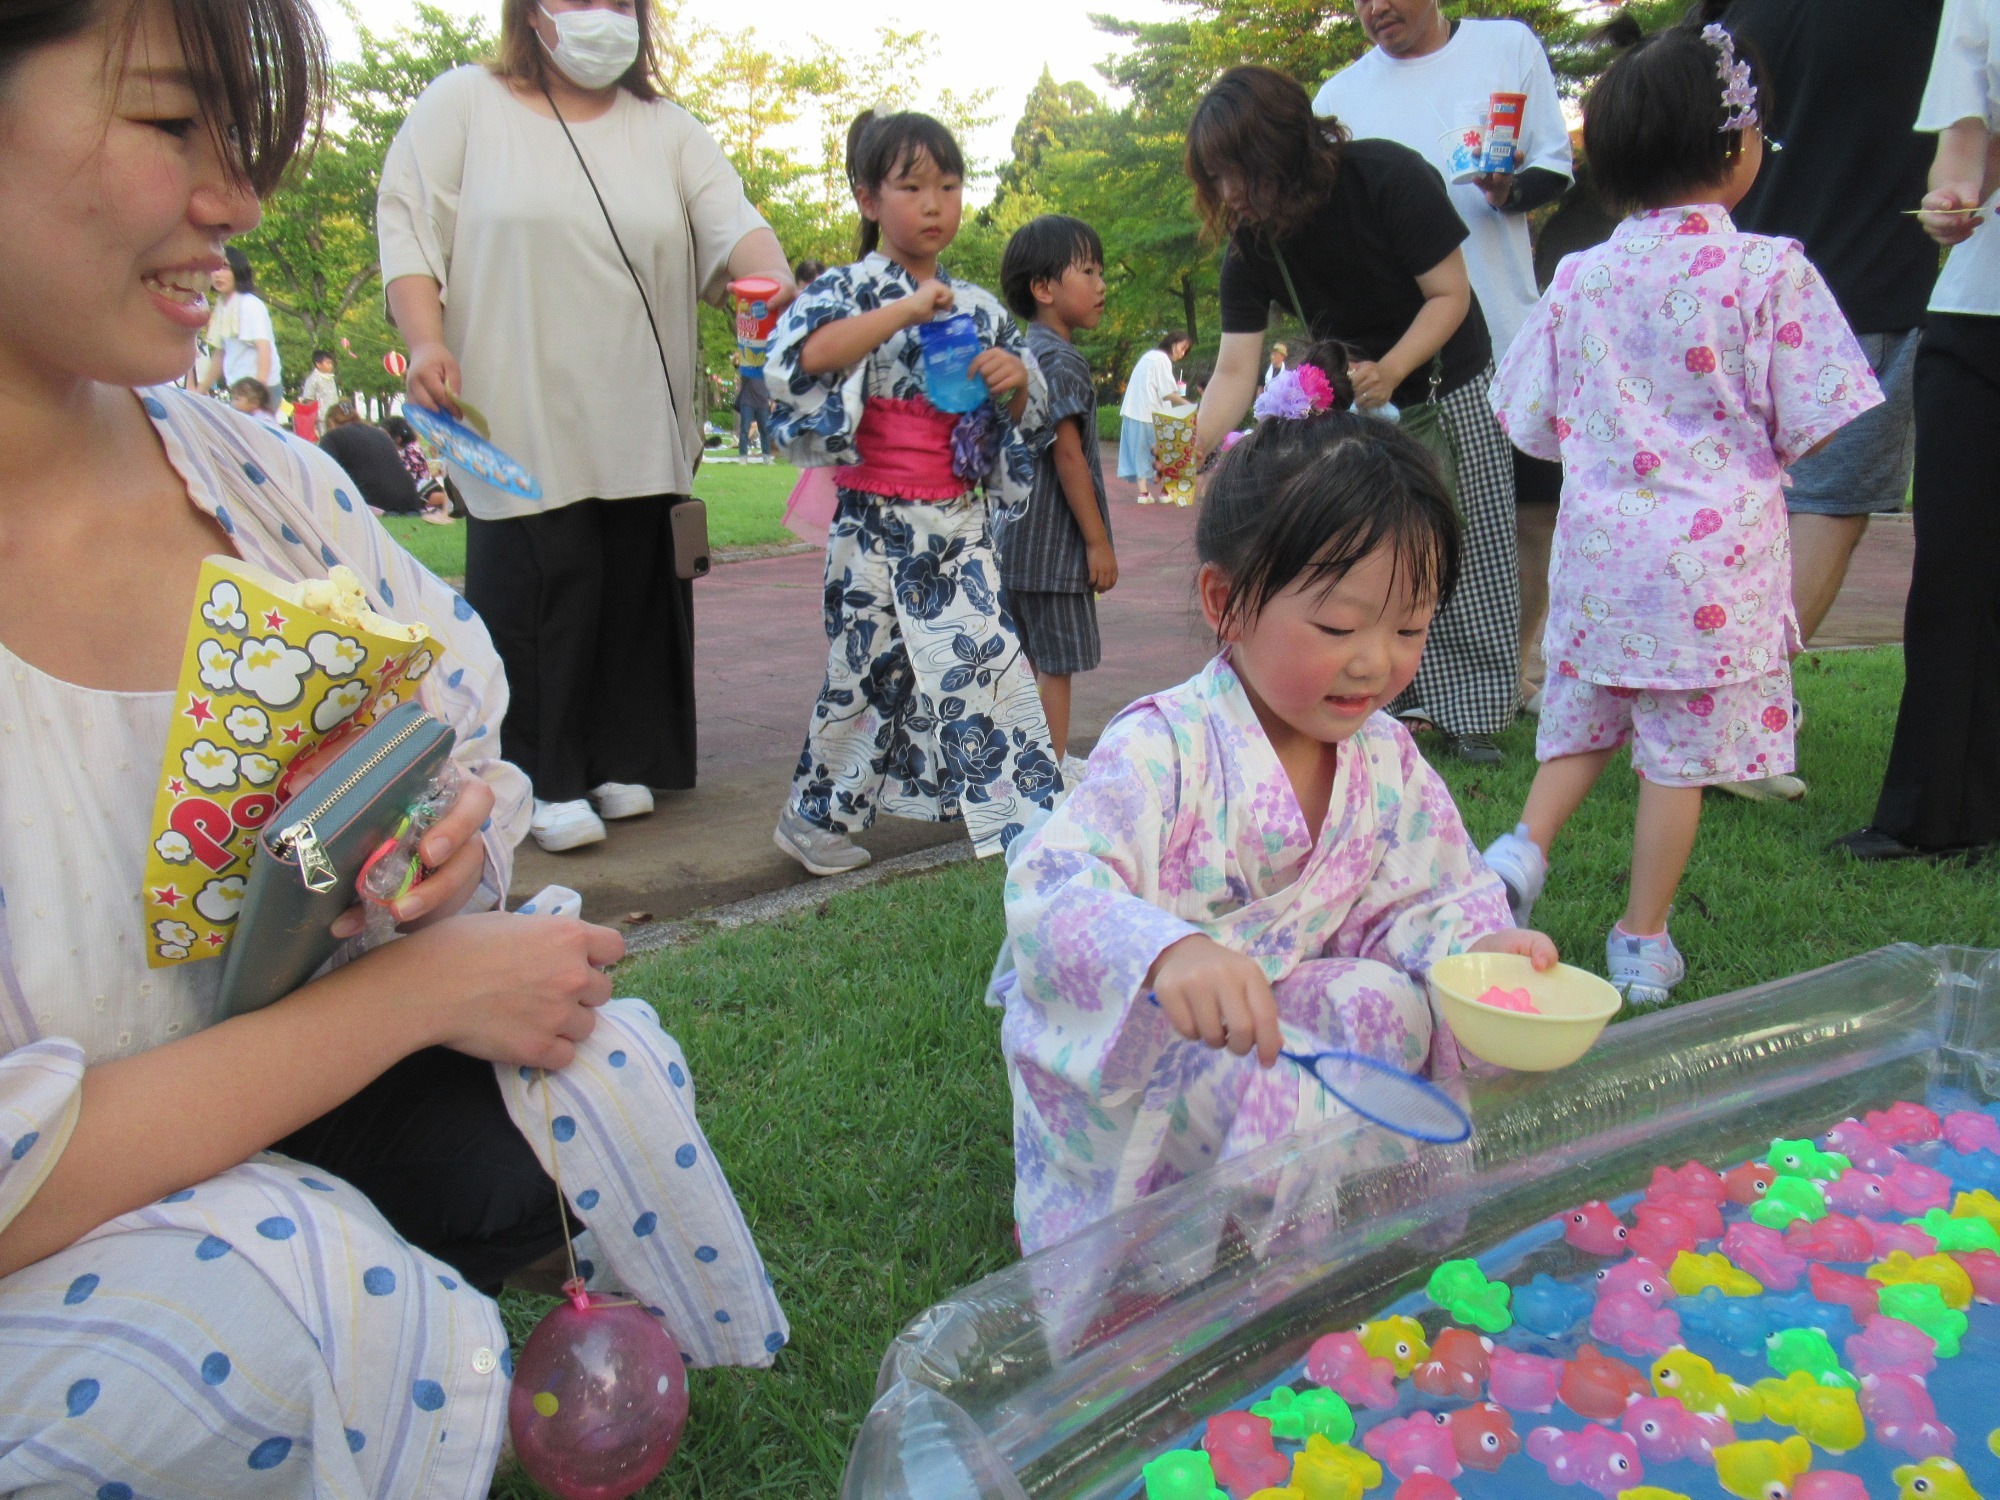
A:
[1675,370]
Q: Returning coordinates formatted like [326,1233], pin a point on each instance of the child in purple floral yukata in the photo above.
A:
[1674,370]
[1261,846]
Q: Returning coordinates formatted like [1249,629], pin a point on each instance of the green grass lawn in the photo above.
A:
[851,1080]
[746,507]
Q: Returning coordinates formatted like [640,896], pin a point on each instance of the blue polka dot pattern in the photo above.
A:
[586,1268]
[81,1397]
[675,1076]
[25,1144]
[215,1369]
[507,1363]
[447,1283]
[315,1184]
[454,677]
[721,1316]
[254,474]
[80,1289]
[114,1491]
[616,1059]
[157,410]
[344,500]
[684,1157]
[646,1223]
[773,1342]
[277,1227]
[563,1128]
[270,1453]
[706,1253]
[326,555]
[527,1075]
[222,517]
[388,594]
[428,1395]
[181,1197]
[587,1199]
[378,1281]
[211,1248]
[478,734]
[356,1441]
[461,609]
[290,535]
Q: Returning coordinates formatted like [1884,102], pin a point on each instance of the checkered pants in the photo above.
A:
[1470,677]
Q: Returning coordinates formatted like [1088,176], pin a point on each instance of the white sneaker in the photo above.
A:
[621,799]
[1643,969]
[1145,498]
[565,825]
[1522,867]
[1765,789]
[820,850]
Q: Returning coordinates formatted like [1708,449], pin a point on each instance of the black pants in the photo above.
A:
[430,1143]
[1942,788]
[597,636]
[1537,481]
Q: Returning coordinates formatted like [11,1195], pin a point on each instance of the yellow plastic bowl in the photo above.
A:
[1574,1008]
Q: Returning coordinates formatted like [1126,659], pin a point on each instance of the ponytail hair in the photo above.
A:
[880,147]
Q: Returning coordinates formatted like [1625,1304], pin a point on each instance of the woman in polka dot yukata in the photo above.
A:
[184,1310]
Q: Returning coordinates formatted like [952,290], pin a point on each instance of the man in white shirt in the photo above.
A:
[1426,85]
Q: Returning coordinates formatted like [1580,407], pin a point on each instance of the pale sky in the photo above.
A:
[1000,44]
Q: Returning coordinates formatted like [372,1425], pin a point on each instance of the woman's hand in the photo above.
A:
[926,302]
[1218,997]
[1538,948]
[1003,373]
[1374,383]
[497,985]
[1944,218]
[454,858]
[433,380]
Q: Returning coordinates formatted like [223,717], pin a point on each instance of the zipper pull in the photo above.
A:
[315,866]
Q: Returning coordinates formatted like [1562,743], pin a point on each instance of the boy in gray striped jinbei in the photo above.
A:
[1056,555]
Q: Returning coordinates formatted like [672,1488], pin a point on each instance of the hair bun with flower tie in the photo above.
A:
[1303,391]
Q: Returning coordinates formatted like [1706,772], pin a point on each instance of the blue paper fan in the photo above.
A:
[471,452]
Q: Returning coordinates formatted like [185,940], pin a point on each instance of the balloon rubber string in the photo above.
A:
[574,1286]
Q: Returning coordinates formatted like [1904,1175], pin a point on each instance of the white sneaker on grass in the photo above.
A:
[820,850]
[1779,788]
[1522,868]
[621,799]
[1643,969]
[565,825]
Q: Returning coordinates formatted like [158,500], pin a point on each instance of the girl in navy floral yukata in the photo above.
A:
[929,708]
[1261,847]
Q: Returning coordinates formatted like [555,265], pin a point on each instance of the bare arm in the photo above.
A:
[416,306]
[1230,389]
[847,341]
[758,253]
[1073,470]
[263,361]
[1447,299]
[211,371]
[1963,175]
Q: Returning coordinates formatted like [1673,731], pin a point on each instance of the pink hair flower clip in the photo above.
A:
[1739,94]
[1301,392]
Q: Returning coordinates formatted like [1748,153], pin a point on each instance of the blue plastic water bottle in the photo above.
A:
[950,346]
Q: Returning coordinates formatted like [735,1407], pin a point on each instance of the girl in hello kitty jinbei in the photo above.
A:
[1674,370]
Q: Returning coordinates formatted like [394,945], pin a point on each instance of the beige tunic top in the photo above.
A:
[485,195]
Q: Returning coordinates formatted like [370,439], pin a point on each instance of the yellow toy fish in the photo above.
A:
[1399,1340]
[1933,1479]
[1750,1469]
[1940,1271]
[1977,1204]
[1327,1470]
[1690,1273]
[1642,1492]
[1697,1385]
[1824,1414]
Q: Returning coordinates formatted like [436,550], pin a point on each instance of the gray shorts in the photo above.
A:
[1866,468]
[1058,631]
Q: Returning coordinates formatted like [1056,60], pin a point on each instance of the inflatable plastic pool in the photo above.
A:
[1066,1373]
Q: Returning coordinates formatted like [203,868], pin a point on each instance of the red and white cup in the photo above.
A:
[755,319]
[1503,132]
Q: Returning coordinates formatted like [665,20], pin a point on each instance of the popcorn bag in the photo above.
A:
[1173,451]
[276,677]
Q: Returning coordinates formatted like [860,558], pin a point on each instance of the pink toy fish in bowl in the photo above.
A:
[1969,1130]
[1762,1252]
[1606,1461]
[1594,1227]
[1637,1275]
[1523,1382]
[1692,1179]
[1338,1361]
[1900,1412]
[1483,1435]
[1904,1124]
[1457,1367]
[1518,1001]
[1632,1324]
[1596,1385]
[1405,1445]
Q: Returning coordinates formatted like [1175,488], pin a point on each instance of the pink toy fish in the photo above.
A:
[1240,1449]
[1424,1487]
[1863,1148]
[1524,1382]
[1337,1360]
[1594,1227]
[1889,1346]
[1890,1234]
[1596,1385]
[1915,1189]
[1833,1238]
[1692,1179]
[1457,1366]
[1703,1213]
[1970,1130]
[1484,1436]
[1405,1445]
[1634,1325]
[1659,1234]
[1904,1124]
[1857,1294]
[1515,1000]
[1763,1253]
[1829,1484]
[1637,1275]
[1666,1430]
[1604,1460]
[1900,1413]
[1983,1266]
[1859,1192]
[1747,1183]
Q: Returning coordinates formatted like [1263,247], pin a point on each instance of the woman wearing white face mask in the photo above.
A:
[527,207]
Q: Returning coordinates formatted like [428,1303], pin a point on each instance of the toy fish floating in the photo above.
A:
[1596,1385]
[1940,1271]
[1523,1382]
[1399,1340]
[1550,1307]
[1933,1479]
[1297,1415]
[1747,1184]
[1632,1324]
[1742,1323]
[1904,1124]
[1594,1227]
[1787,1199]
[1339,1362]
[1803,1159]
[1763,1254]
[1457,1368]
[1827,1416]
[1862,1147]
[1239,1447]
[1900,1411]
[1606,1461]
[1405,1445]
[1810,1351]
[1184,1474]
[1697,1385]
[1923,1306]
[1665,1430]
[1691,1272]
[1483,1435]
[1750,1469]
[1333,1471]
[1461,1289]
[1691,1179]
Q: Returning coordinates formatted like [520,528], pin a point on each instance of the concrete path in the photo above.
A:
[760,655]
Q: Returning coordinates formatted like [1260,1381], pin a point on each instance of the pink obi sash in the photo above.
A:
[905,449]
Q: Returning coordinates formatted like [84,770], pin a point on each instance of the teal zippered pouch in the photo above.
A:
[303,873]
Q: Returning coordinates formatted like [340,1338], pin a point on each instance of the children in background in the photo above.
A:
[253,398]
[1674,370]
[1261,847]
[319,386]
[417,463]
[1056,555]
[1152,385]
[929,709]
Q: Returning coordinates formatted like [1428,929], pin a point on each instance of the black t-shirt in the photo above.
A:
[1356,262]
[1848,76]
[369,455]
